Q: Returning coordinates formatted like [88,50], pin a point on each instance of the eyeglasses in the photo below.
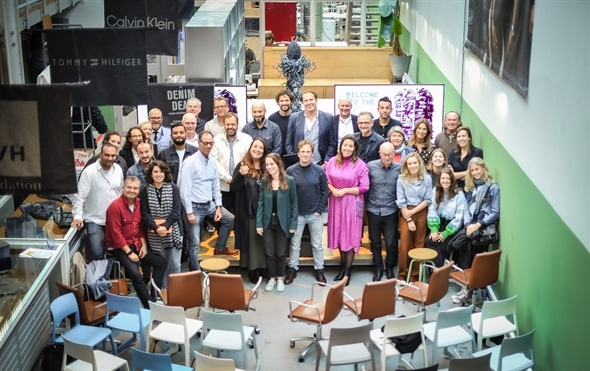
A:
[219,107]
[387,154]
[363,123]
[208,144]
[155,118]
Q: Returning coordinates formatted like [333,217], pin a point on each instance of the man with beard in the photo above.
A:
[367,138]
[146,155]
[265,129]
[384,123]
[193,105]
[179,150]
[285,101]
[99,185]
[229,149]
[220,108]
[161,134]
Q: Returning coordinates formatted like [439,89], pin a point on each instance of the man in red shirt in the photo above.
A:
[125,238]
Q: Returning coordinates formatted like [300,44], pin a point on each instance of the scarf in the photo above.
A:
[160,205]
[482,190]
[401,148]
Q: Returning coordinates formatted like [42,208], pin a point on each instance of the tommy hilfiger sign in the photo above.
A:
[112,60]
[158,17]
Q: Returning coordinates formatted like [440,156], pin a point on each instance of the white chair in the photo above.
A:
[492,321]
[173,327]
[398,327]
[88,359]
[448,330]
[203,362]
[513,354]
[347,346]
[131,317]
[226,331]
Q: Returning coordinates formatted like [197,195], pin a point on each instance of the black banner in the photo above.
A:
[500,33]
[36,151]
[112,60]
[158,17]
[171,100]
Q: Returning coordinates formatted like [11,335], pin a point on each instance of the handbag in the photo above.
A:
[486,236]
[160,222]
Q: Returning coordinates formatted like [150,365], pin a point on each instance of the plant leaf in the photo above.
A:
[385,28]
[386,7]
[397,26]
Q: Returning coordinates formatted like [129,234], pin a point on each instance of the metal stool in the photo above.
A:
[214,265]
[423,256]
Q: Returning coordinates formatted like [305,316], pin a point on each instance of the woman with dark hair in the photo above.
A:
[348,179]
[397,137]
[445,214]
[459,157]
[129,151]
[246,185]
[438,162]
[420,139]
[414,194]
[160,210]
[113,138]
[276,218]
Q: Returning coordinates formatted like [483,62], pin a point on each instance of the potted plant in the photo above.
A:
[390,28]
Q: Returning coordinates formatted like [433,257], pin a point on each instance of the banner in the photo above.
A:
[36,151]
[236,96]
[171,100]
[113,61]
[500,34]
[158,17]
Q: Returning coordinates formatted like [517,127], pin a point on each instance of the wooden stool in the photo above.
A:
[423,256]
[215,265]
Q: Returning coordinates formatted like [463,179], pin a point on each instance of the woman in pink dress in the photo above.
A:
[348,179]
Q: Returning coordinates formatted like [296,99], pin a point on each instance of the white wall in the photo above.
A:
[548,134]
[89,13]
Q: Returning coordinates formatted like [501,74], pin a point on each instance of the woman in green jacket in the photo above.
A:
[276,218]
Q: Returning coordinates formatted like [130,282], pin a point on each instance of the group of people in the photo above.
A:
[277,175]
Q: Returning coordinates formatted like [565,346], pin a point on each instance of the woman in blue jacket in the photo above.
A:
[276,218]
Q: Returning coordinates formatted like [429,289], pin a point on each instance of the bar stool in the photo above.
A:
[214,265]
[423,256]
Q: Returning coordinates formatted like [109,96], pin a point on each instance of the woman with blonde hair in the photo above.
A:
[438,162]
[348,179]
[276,218]
[420,139]
[414,194]
[146,129]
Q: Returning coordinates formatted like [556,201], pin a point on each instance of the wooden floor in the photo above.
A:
[331,258]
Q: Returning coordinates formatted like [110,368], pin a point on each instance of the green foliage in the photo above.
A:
[390,27]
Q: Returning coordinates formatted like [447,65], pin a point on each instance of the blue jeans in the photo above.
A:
[172,256]
[316,229]
[226,224]
[96,240]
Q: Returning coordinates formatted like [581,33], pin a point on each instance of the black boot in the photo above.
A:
[348,273]
[319,276]
[340,275]
[253,276]
[389,273]
[378,275]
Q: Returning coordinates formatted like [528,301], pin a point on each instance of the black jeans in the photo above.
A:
[275,245]
[157,262]
[386,225]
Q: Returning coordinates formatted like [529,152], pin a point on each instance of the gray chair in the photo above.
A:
[351,345]
[469,364]
[513,354]
[492,320]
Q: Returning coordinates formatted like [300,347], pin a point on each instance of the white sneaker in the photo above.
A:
[460,293]
[270,285]
[280,285]
[462,296]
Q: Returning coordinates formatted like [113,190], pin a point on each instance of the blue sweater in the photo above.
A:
[312,188]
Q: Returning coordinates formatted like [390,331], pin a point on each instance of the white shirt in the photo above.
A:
[194,141]
[344,128]
[220,152]
[97,188]
[215,127]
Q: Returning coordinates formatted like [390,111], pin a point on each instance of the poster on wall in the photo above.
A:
[409,102]
[236,96]
[36,150]
[110,62]
[171,100]
[159,18]
[500,34]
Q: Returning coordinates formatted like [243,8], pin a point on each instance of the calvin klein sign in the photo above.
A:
[158,17]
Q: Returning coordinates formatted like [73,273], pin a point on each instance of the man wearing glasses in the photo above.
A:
[200,193]
[220,108]
[382,211]
[369,140]
[161,134]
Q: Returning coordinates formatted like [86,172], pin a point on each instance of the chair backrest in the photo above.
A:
[185,289]
[79,351]
[226,291]
[168,314]
[125,304]
[378,299]
[429,368]
[62,307]
[350,335]
[404,326]
[470,364]
[223,321]
[64,289]
[520,344]
[485,269]
[456,317]
[150,361]
[334,301]
[438,284]
[493,309]
[203,362]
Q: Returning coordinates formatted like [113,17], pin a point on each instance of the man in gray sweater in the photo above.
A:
[312,198]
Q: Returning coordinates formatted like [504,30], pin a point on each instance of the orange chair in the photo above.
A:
[184,290]
[425,294]
[483,272]
[91,311]
[378,300]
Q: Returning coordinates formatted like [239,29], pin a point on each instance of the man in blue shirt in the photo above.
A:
[260,127]
[382,211]
[200,193]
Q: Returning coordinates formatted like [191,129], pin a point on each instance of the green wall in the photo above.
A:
[543,262]
[109,116]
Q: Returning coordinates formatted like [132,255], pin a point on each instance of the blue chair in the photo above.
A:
[131,317]
[513,354]
[66,305]
[154,361]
